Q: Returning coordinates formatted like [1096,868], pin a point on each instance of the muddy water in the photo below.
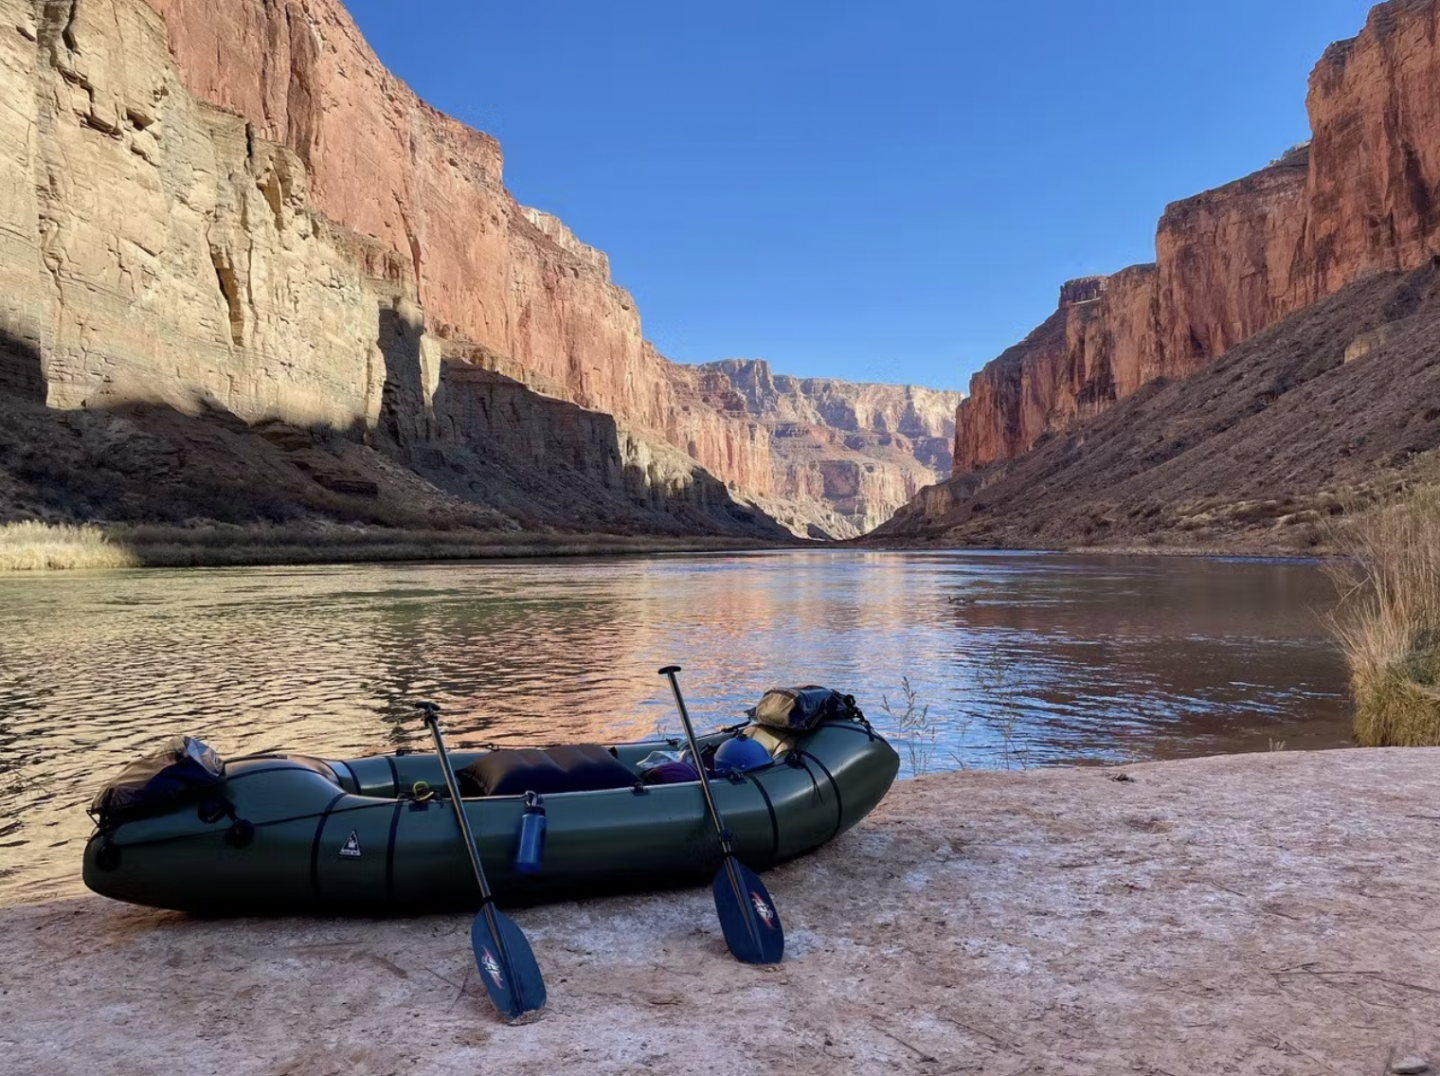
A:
[1022,660]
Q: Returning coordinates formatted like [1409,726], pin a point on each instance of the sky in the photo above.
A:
[871,191]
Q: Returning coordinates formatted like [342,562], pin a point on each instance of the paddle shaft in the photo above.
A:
[669,671]
[487,901]
[454,788]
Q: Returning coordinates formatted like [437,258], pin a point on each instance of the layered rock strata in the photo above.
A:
[487,271]
[236,209]
[844,456]
[154,248]
[1363,196]
[1223,272]
[160,249]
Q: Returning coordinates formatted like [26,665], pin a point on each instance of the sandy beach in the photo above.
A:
[1269,913]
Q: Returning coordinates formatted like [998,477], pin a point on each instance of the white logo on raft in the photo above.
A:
[351,848]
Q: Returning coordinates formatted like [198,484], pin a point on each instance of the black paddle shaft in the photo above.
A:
[720,830]
[430,710]
[747,914]
[507,965]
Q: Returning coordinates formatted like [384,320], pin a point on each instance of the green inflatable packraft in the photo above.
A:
[290,833]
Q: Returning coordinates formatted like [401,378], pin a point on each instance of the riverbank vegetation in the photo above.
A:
[36,546]
[1388,622]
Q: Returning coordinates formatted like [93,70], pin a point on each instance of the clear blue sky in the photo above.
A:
[874,191]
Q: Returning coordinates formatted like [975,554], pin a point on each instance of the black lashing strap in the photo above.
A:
[204,833]
[315,844]
[284,767]
[774,821]
[855,726]
[390,851]
[394,775]
[839,807]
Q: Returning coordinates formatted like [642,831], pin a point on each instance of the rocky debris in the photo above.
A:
[153,464]
[1410,1066]
[1257,913]
[1356,199]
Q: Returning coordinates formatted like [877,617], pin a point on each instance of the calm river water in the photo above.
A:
[1023,660]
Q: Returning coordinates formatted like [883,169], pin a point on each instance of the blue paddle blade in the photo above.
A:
[747,915]
[507,965]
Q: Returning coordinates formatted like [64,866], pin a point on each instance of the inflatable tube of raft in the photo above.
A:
[288,834]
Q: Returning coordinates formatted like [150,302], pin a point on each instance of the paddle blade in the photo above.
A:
[747,915]
[507,965]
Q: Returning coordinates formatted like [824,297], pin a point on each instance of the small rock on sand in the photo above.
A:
[1410,1066]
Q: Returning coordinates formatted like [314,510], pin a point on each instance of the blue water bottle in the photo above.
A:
[532,836]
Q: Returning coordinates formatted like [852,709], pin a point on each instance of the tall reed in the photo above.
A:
[1388,621]
[33,546]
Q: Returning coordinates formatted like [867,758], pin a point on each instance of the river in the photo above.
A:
[1022,660]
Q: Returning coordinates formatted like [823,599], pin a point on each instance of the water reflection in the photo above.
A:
[1021,659]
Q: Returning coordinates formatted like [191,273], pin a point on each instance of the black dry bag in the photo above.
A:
[184,770]
[798,709]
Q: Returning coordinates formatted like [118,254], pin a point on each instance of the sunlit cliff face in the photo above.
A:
[1235,260]
[303,240]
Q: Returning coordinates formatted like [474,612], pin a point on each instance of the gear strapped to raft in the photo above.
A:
[802,708]
[184,770]
[375,833]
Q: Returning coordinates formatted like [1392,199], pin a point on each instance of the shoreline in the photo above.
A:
[1200,552]
[231,547]
[1267,912]
[97,546]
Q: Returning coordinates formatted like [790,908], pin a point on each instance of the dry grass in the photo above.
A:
[1388,622]
[25,546]
[38,547]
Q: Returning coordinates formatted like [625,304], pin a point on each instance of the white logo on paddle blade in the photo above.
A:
[351,848]
[492,967]
[762,909]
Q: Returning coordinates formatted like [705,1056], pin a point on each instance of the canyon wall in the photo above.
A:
[1223,271]
[153,249]
[487,271]
[235,208]
[159,249]
[844,455]
[1363,196]
[1375,158]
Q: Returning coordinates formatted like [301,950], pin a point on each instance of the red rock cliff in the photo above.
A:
[1375,162]
[1364,195]
[1223,271]
[382,163]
